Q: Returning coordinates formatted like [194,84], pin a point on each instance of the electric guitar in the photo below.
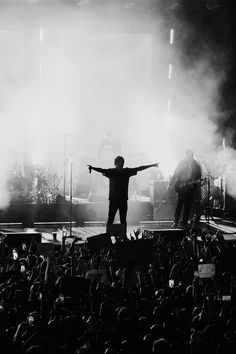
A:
[181,186]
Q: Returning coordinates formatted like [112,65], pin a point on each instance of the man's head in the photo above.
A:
[189,154]
[108,134]
[119,162]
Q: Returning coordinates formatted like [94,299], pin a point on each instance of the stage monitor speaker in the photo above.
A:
[15,239]
[118,230]
[134,253]
[169,235]
[102,241]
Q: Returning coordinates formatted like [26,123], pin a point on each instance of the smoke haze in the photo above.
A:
[68,74]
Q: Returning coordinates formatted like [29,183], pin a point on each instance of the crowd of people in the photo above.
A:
[141,293]
[82,299]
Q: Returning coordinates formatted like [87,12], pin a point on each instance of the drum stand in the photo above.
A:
[207,210]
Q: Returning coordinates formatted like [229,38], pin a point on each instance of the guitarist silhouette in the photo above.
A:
[186,180]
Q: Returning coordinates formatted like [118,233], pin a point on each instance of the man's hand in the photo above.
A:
[90,168]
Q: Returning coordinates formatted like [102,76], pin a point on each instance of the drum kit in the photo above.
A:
[33,190]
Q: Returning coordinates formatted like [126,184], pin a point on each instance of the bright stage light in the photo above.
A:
[33,2]
[168,105]
[40,69]
[170,71]
[41,34]
[37,159]
[171,36]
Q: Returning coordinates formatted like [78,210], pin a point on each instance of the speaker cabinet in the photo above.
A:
[119,230]
[102,241]
[169,235]
[15,240]
[164,211]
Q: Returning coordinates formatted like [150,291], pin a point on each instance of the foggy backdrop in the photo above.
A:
[67,74]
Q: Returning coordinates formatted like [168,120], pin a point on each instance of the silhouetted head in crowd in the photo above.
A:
[161,346]
[147,343]
[35,349]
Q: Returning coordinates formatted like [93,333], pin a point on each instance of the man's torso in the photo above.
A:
[119,182]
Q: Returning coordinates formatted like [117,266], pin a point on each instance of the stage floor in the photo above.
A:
[93,228]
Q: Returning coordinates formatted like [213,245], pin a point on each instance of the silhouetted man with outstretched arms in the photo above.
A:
[118,186]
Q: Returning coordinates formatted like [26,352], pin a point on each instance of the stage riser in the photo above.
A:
[28,214]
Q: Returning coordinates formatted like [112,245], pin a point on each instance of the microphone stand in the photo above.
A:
[64,177]
[222,191]
[70,190]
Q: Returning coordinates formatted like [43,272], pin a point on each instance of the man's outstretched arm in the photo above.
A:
[141,168]
[98,169]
